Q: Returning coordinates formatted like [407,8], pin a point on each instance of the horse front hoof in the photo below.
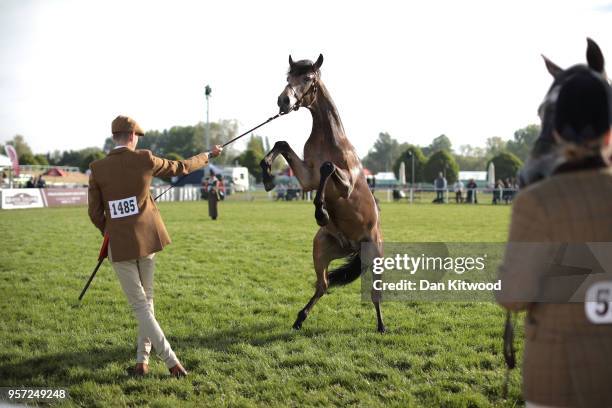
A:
[269,184]
[322,216]
[382,329]
[300,319]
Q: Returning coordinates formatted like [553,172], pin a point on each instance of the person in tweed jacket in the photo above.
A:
[567,359]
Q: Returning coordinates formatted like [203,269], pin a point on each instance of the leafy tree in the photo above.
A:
[27,158]
[506,165]
[441,142]
[109,144]
[256,144]
[441,162]
[494,146]
[383,155]
[523,142]
[21,147]
[471,163]
[188,141]
[250,159]
[77,158]
[90,157]
[41,159]
[54,157]
[419,163]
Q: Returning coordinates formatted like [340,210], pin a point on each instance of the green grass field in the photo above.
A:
[227,293]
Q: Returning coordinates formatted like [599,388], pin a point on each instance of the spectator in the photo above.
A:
[498,189]
[30,183]
[440,186]
[458,189]
[41,183]
[213,196]
[471,192]
[281,192]
[507,191]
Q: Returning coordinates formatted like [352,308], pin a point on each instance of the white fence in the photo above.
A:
[185,193]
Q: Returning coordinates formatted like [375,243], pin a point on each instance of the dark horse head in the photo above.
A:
[301,84]
[543,159]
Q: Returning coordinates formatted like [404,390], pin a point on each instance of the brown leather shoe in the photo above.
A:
[141,369]
[178,371]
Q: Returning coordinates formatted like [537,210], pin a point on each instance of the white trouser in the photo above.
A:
[136,278]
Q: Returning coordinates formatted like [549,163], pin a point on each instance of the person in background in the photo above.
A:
[122,208]
[281,191]
[458,189]
[567,358]
[221,187]
[498,189]
[471,192]
[30,183]
[440,185]
[507,191]
[41,183]
[213,196]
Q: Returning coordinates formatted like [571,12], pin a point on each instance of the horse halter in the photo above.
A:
[312,88]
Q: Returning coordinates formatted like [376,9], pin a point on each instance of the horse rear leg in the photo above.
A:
[325,249]
[342,184]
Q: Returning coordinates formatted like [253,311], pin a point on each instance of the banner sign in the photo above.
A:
[57,197]
[12,154]
[21,198]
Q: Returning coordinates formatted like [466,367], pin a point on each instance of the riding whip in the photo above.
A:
[103,254]
[104,249]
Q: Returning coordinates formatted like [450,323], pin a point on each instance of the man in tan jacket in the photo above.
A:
[121,206]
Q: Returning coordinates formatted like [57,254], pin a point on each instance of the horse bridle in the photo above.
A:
[313,87]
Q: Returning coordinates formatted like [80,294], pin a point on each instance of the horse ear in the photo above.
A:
[317,65]
[595,57]
[552,68]
[290,61]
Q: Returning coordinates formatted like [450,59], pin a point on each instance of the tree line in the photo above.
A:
[387,153]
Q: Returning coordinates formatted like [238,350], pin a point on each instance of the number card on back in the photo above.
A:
[123,208]
[598,305]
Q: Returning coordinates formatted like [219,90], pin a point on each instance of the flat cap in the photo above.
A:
[125,124]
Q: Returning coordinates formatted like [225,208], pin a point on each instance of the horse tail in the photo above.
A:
[346,273]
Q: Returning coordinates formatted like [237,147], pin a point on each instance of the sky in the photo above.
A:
[468,69]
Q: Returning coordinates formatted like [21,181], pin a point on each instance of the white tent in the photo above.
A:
[5,161]
[402,173]
[491,175]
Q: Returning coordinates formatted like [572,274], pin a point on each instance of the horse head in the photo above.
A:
[542,158]
[301,86]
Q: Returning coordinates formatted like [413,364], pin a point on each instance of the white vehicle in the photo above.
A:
[239,176]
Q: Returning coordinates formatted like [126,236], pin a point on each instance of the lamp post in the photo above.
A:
[207,92]
[411,153]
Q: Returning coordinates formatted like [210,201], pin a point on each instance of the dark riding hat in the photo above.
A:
[584,107]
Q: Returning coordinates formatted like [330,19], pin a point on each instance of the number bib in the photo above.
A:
[123,208]
[598,304]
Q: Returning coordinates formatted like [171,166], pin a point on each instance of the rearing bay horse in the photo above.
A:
[345,208]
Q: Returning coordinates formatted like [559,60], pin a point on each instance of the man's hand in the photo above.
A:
[215,151]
